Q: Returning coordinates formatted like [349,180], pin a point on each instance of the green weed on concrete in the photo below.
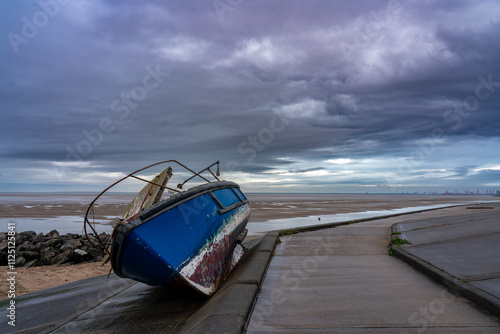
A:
[289,232]
[397,241]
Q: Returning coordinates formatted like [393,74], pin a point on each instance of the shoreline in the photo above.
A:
[30,212]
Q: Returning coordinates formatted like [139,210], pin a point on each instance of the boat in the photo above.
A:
[193,238]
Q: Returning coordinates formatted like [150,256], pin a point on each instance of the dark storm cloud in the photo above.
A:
[267,85]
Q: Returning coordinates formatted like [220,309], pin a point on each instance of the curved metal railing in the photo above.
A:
[132,175]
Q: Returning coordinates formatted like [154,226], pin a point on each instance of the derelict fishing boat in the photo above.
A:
[193,238]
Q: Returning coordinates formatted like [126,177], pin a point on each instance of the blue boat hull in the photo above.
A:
[187,239]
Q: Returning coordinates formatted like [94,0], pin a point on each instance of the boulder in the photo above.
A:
[65,256]
[39,246]
[29,255]
[4,245]
[20,261]
[71,244]
[81,256]
[32,263]
[22,247]
[75,242]
[52,234]
[54,242]
[3,258]
[91,241]
[67,246]
[20,238]
[72,236]
[28,235]
[94,252]
[104,237]
[38,238]
[46,255]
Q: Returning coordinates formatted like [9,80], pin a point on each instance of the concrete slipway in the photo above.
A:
[329,280]
[341,280]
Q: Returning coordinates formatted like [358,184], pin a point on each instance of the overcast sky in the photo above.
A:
[290,96]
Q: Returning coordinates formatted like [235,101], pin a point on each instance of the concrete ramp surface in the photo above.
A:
[342,280]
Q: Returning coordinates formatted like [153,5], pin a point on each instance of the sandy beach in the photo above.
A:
[52,205]
[264,207]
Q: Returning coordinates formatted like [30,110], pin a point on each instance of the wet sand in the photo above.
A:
[264,207]
[50,205]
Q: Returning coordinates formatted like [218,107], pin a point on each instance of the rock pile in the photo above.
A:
[34,249]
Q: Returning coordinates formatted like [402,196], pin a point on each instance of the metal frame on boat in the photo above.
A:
[193,238]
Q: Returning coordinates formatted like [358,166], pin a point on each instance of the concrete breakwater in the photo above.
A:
[32,249]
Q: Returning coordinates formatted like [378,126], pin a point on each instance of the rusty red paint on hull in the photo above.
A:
[212,266]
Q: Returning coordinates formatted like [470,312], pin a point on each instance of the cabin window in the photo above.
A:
[226,196]
[239,193]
